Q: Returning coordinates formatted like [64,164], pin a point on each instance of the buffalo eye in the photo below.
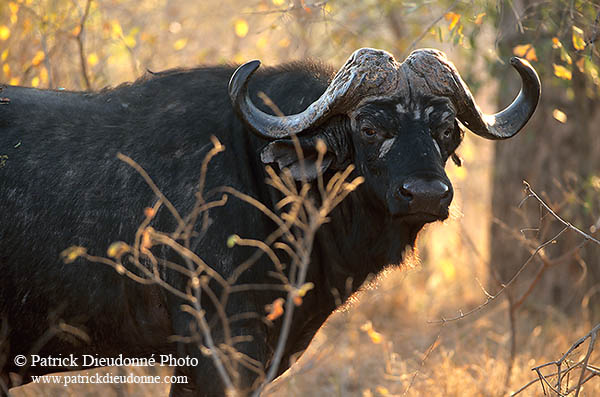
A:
[448,133]
[369,132]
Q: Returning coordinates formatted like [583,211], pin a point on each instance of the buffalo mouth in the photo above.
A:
[420,198]
[421,217]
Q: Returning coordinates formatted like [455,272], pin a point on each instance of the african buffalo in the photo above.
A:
[62,185]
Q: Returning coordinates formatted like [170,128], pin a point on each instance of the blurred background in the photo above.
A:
[391,340]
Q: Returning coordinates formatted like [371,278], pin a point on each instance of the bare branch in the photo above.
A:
[538,251]
[427,28]
[79,40]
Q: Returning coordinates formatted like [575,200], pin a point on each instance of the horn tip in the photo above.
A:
[241,76]
[519,62]
[523,65]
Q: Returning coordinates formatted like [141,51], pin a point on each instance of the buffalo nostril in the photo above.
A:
[424,194]
[404,192]
[445,190]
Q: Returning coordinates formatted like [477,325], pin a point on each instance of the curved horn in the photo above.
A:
[511,120]
[367,72]
[261,123]
[429,70]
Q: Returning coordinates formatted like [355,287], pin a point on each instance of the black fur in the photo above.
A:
[62,185]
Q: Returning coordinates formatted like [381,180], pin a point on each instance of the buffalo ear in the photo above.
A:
[283,152]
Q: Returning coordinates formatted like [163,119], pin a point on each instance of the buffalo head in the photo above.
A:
[397,122]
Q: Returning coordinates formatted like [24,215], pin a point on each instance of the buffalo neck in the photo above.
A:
[358,242]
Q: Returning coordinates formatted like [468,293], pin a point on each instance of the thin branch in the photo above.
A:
[152,185]
[426,30]
[79,39]
[431,348]
[47,64]
[538,250]
[504,286]
[199,316]
[557,217]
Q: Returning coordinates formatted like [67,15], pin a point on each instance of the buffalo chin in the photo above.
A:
[420,219]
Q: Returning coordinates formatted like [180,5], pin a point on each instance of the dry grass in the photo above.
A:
[470,357]
[383,342]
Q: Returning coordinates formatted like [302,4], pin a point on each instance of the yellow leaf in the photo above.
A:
[284,43]
[450,16]
[305,7]
[521,49]
[453,18]
[562,72]
[14,7]
[375,336]
[559,115]
[27,25]
[70,254]
[239,58]
[479,18]
[76,30]
[578,41]
[525,50]
[6,69]
[278,2]
[301,292]
[564,56]
[14,18]
[148,37]
[180,44]
[241,27]
[4,55]
[38,58]
[4,32]
[117,249]
[593,71]
[580,64]
[305,288]
[129,41]
[93,59]
[44,75]
[382,391]
[14,81]
[117,30]
[232,240]
[556,43]
[448,269]
[275,309]
[35,81]
[261,42]
[149,212]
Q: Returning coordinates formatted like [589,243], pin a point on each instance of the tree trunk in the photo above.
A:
[561,162]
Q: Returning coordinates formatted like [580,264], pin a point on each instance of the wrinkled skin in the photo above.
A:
[394,141]
[62,185]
